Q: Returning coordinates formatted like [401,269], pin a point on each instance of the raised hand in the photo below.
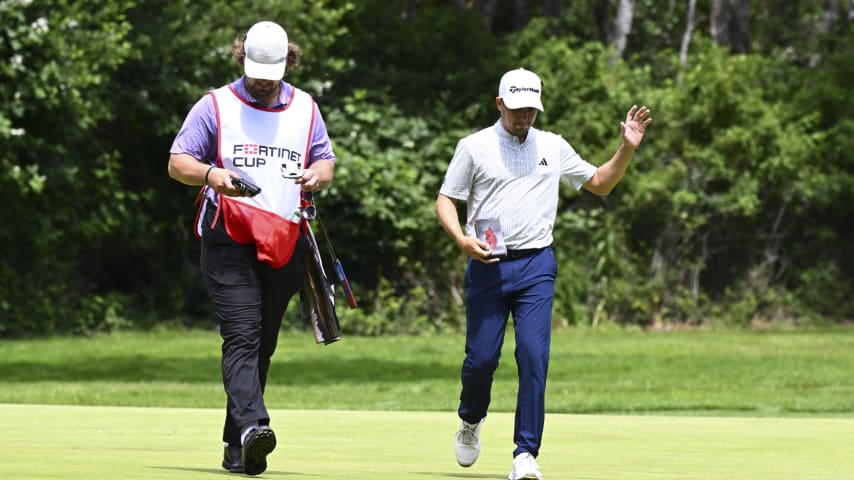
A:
[635,125]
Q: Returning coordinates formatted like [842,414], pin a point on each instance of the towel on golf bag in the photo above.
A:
[317,296]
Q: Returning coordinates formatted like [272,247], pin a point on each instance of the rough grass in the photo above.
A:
[740,373]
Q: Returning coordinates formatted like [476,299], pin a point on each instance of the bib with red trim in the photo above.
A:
[260,144]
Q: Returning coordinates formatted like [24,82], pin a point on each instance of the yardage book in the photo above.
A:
[489,230]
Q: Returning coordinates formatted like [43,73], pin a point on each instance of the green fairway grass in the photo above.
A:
[71,443]
[149,405]
[807,373]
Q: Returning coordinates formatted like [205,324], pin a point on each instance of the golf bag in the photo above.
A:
[317,297]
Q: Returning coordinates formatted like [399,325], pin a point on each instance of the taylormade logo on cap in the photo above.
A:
[266,47]
[521,88]
[513,89]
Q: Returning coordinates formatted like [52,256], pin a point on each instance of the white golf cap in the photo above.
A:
[521,88]
[266,47]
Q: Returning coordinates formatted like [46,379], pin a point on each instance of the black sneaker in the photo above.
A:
[232,459]
[258,444]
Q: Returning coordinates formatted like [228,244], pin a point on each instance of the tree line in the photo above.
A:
[737,209]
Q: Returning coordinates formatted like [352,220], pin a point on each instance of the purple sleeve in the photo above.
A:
[198,135]
[321,146]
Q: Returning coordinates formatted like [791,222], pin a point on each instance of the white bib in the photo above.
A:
[262,145]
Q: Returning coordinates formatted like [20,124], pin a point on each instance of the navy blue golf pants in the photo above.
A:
[250,298]
[523,287]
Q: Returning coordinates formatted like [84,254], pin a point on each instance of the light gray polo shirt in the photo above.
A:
[517,183]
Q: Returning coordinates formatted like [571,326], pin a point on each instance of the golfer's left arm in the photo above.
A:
[632,131]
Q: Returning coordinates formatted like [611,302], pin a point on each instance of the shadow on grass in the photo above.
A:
[280,472]
[223,472]
[462,475]
[142,368]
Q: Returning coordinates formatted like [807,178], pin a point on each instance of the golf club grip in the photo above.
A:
[342,277]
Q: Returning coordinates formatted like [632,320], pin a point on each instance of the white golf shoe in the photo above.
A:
[525,467]
[467,443]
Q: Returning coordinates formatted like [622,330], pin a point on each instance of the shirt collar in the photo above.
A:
[504,136]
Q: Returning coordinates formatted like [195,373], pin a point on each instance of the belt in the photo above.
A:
[525,252]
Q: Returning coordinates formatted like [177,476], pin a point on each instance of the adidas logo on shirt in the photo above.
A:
[543,162]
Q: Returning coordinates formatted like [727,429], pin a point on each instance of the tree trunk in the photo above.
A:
[720,22]
[689,29]
[554,8]
[409,10]
[600,13]
[730,24]
[697,268]
[830,17]
[828,20]
[521,14]
[486,8]
[623,25]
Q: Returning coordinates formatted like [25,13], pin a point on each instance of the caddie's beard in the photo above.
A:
[262,89]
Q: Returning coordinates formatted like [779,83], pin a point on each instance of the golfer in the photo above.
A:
[268,132]
[509,174]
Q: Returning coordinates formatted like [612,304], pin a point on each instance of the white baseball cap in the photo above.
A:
[521,88]
[266,47]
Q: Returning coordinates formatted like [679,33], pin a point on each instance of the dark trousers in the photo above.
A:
[250,298]
[523,287]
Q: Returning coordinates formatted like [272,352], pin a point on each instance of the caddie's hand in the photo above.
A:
[635,125]
[478,250]
[310,181]
[220,180]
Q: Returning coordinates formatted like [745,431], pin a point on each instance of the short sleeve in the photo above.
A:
[574,170]
[198,134]
[321,145]
[459,176]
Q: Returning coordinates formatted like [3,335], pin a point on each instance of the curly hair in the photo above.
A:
[238,54]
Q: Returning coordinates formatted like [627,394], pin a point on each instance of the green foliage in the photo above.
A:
[379,212]
[705,219]
[433,61]
[733,156]
[183,51]
[736,210]
[57,173]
